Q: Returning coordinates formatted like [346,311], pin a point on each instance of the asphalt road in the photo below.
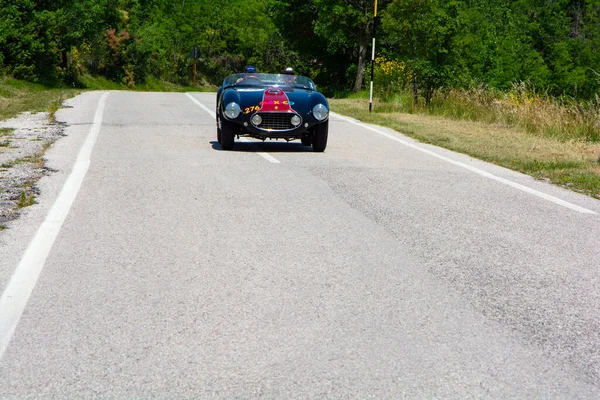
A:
[382,268]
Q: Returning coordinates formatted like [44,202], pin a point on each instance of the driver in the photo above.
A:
[250,69]
[289,77]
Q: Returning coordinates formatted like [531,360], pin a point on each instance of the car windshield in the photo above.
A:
[268,80]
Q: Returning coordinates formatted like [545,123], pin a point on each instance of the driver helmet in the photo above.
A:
[289,71]
[250,69]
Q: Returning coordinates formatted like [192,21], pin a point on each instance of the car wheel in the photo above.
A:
[319,142]
[306,139]
[227,135]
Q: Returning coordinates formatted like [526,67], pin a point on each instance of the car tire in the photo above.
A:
[227,135]
[319,141]
[306,139]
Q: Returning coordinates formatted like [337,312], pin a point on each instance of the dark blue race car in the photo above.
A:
[274,106]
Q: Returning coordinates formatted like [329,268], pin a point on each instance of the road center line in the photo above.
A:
[23,281]
[266,156]
[515,185]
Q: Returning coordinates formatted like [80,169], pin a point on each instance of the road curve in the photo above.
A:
[156,265]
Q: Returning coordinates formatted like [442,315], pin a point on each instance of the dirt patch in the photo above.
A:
[23,142]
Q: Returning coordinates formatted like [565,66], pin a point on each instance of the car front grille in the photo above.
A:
[276,121]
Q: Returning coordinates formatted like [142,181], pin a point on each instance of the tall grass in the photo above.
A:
[561,118]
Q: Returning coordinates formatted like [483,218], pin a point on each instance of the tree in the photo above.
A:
[422,32]
[229,34]
[37,37]
[346,26]
[552,44]
[26,41]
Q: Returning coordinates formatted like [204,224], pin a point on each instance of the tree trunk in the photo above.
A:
[362,59]
[415,92]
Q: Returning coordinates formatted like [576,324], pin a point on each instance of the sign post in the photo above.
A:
[195,54]
[375,21]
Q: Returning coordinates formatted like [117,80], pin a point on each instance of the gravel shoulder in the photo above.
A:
[23,141]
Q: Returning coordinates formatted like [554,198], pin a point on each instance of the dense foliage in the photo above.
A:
[423,45]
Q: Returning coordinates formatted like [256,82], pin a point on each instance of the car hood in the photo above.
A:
[275,99]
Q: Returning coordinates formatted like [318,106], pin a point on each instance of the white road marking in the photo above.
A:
[202,106]
[266,156]
[23,281]
[515,185]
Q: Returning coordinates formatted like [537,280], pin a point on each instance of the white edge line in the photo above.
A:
[202,106]
[25,277]
[523,188]
[266,156]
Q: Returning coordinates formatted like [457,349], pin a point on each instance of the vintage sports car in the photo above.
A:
[273,106]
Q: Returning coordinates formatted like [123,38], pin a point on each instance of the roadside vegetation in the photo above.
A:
[5,135]
[151,84]
[17,96]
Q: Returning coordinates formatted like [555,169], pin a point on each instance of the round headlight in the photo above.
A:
[320,112]
[296,120]
[232,110]
[256,120]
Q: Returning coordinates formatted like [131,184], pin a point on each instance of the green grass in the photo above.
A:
[151,85]
[18,96]
[25,200]
[6,132]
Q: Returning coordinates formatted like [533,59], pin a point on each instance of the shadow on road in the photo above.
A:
[267,147]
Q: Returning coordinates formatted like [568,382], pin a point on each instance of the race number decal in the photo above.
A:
[250,109]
